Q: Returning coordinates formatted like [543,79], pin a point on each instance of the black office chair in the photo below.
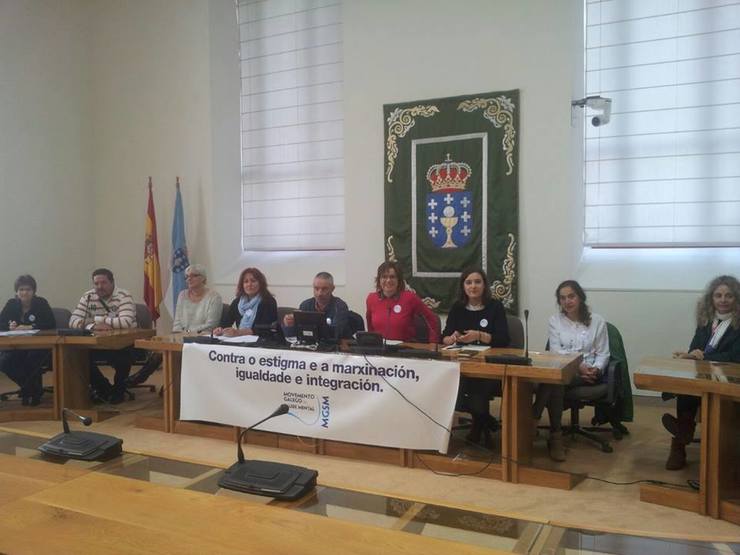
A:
[61,317]
[355,322]
[605,397]
[422,331]
[516,332]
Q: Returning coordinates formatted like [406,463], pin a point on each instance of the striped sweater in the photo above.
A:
[118,311]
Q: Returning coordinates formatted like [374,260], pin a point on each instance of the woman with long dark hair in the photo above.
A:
[574,329]
[478,319]
[254,305]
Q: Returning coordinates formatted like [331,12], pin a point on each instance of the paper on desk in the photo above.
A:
[18,332]
[476,348]
[393,342]
[239,339]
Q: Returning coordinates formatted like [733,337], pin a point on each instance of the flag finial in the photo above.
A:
[150,181]
[177,181]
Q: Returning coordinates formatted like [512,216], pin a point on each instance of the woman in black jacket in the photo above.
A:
[26,311]
[476,318]
[254,305]
[717,338]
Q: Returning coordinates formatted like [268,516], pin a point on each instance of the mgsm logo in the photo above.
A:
[325,411]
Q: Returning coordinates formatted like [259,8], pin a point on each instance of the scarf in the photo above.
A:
[719,327]
[248,310]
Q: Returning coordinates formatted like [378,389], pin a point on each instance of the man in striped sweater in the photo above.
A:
[106,307]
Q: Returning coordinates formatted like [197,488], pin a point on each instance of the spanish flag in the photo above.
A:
[152,281]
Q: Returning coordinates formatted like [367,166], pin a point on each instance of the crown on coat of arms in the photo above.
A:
[448,175]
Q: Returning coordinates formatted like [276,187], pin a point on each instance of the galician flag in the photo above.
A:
[179,260]
[152,277]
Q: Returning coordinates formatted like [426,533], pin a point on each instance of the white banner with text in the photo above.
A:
[391,402]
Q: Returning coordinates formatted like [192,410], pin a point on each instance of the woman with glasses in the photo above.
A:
[391,310]
[26,311]
[198,307]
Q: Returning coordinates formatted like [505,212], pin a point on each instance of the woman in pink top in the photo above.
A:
[391,310]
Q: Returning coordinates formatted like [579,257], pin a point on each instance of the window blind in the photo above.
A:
[291,124]
[666,170]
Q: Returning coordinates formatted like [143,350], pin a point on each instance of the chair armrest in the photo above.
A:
[612,381]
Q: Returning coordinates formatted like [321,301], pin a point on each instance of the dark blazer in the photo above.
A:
[728,349]
[39,316]
[266,313]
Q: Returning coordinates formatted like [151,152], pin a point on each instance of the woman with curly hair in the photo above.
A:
[717,338]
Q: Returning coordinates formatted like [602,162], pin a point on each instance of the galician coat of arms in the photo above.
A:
[449,205]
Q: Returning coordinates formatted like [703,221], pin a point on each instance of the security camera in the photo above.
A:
[596,103]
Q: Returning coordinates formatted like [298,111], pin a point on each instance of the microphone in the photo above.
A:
[281,481]
[387,325]
[81,445]
[86,420]
[282,409]
[526,333]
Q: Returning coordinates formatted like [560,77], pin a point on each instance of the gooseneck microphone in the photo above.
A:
[81,445]
[526,333]
[387,326]
[86,420]
[282,409]
[278,480]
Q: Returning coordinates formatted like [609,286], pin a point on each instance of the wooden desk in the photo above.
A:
[718,385]
[516,443]
[44,339]
[74,364]
[70,366]
[47,508]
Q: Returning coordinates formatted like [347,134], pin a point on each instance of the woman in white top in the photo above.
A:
[572,330]
[198,308]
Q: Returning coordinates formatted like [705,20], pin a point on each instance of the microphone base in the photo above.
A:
[83,446]
[509,359]
[281,481]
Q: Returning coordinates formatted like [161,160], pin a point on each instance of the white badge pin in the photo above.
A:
[31,318]
[397,309]
[483,323]
[328,321]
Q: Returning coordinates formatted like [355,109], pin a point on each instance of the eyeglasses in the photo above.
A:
[188,276]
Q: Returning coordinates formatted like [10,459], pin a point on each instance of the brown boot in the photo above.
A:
[682,428]
[556,446]
[677,456]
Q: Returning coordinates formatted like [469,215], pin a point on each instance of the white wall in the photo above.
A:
[417,49]
[46,227]
[150,111]
[158,83]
